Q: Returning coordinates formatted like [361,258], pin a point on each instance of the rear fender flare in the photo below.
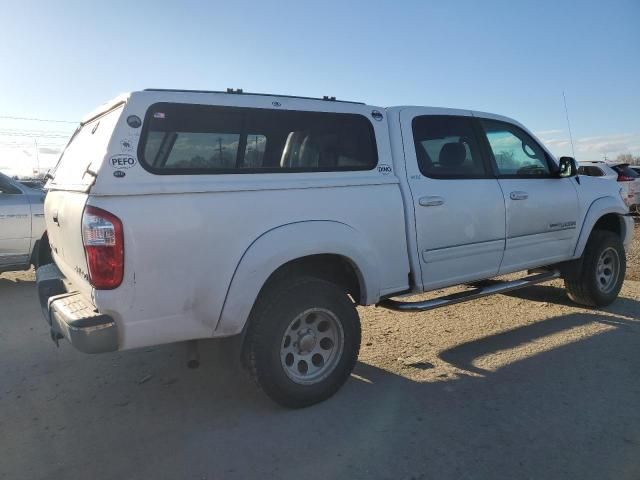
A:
[285,243]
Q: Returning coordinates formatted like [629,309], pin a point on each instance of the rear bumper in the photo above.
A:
[70,316]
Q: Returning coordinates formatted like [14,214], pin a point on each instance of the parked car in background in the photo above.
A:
[22,230]
[627,177]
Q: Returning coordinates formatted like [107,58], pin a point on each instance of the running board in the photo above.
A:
[500,287]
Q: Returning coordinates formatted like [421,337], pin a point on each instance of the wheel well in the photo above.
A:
[330,267]
[610,222]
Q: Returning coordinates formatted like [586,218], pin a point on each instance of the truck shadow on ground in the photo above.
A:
[463,355]
[567,412]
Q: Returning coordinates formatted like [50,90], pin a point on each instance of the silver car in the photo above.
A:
[23,240]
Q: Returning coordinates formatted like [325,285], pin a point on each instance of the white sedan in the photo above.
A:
[627,177]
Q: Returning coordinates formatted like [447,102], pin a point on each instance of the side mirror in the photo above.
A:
[568,167]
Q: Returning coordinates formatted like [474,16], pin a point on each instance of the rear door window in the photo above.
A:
[185,138]
[447,147]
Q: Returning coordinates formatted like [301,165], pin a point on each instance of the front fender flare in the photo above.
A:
[600,207]
[289,242]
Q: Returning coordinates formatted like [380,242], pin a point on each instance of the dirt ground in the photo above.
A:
[524,386]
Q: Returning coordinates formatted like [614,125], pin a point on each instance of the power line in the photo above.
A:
[35,131]
[31,135]
[25,144]
[36,119]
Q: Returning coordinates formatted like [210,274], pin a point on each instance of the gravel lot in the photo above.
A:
[524,385]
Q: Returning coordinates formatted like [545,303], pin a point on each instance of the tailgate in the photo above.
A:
[69,188]
[63,216]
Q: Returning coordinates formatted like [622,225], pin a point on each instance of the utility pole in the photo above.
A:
[35,141]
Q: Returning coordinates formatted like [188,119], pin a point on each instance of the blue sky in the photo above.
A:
[62,59]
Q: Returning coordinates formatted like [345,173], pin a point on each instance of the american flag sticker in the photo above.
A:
[158,115]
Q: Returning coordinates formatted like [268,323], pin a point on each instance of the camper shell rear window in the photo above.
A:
[180,138]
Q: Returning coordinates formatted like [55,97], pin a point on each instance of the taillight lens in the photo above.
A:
[624,178]
[103,242]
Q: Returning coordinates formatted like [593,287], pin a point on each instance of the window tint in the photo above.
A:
[590,171]
[514,151]
[183,138]
[446,147]
[254,152]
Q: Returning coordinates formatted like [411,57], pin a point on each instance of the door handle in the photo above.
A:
[55,218]
[431,201]
[518,195]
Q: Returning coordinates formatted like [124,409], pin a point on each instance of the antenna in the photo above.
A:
[566,112]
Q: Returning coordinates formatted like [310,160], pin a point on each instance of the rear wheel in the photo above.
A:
[303,341]
[595,279]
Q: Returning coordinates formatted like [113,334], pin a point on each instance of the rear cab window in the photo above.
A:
[86,150]
[201,139]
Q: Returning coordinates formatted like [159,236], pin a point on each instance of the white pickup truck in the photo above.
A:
[181,215]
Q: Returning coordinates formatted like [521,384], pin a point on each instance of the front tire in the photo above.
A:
[596,278]
[303,341]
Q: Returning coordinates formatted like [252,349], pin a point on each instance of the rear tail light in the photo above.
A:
[623,178]
[103,242]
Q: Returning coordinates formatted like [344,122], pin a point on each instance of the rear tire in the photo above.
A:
[303,341]
[596,278]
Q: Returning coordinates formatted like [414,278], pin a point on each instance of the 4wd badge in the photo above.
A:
[122,161]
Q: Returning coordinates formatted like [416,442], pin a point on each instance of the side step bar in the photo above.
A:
[499,287]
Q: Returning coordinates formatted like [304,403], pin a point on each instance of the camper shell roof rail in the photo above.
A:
[239,91]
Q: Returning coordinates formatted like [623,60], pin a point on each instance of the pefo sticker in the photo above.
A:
[122,161]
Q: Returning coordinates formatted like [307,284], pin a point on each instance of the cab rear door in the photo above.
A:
[459,207]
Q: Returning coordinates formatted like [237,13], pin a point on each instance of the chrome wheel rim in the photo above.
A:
[311,346]
[607,270]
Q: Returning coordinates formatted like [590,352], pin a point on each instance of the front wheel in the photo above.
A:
[303,341]
[595,279]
